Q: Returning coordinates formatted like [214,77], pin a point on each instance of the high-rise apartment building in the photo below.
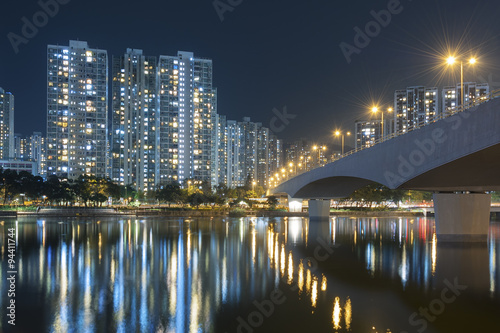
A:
[452,95]
[263,167]
[248,149]
[135,121]
[235,173]
[367,132]
[414,107]
[31,149]
[275,154]
[220,172]
[77,105]
[21,147]
[187,118]
[6,125]
[36,145]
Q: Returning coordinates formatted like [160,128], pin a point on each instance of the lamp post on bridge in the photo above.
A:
[342,135]
[319,149]
[375,109]
[451,61]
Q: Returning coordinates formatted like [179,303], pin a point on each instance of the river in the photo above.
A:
[247,275]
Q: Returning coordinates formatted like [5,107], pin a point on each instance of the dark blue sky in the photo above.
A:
[267,54]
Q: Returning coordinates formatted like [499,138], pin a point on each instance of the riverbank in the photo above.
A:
[108,212]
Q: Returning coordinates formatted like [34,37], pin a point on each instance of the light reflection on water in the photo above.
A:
[183,275]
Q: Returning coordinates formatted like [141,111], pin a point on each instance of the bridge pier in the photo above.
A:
[462,217]
[294,205]
[319,209]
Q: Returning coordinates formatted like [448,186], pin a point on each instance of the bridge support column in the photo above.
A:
[462,217]
[319,209]
[294,205]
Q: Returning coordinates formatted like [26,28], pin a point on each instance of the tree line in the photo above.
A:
[377,194]
[93,191]
[15,188]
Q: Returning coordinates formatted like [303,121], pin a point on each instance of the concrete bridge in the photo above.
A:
[456,156]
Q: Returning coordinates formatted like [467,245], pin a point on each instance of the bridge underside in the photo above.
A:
[477,172]
[329,188]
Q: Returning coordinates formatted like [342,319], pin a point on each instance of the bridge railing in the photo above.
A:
[475,102]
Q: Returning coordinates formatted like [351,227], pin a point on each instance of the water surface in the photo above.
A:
[249,275]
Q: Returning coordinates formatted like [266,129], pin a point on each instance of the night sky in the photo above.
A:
[267,54]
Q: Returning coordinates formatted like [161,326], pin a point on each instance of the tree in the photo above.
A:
[170,193]
[31,185]
[127,191]
[196,199]
[259,191]
[10,184]
[396,196]
[91,189]
[272,201]
[250,194]
[112,190]
[222,194]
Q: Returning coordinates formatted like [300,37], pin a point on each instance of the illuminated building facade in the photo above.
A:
[263,158]
[248,150]
[414,107]
[6,124]
[77,105]
[21,149]
[275,155]
[36,146]
[451,95]
[367,132]
[134,133]
[235,173]
[31,149]
[187,118]
[220,172]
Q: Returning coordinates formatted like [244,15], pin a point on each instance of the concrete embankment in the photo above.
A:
[104,212]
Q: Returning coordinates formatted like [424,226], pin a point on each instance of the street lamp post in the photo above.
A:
[451,60]
[319,149]
[338,133]
[375,110]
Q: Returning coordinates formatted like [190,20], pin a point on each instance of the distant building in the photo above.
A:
[77,105]
[6,124]
[276,161]
[187,108]
[263,158]
[220,172]
[18,166]
[37,152]
[248,149]
[235,172]
[21,147]
[135,126]
[451,95]
[31,149]
[305,155]
[414,107]
[367,132]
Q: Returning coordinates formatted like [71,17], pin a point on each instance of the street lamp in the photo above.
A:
[338,133]
[451,61]
[375,110]
[319,149]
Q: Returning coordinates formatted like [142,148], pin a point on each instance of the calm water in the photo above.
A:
[249,275]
